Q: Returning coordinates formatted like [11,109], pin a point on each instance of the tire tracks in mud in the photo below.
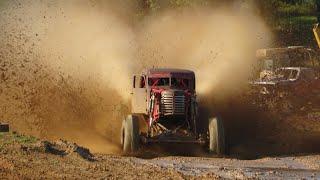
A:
[286,167]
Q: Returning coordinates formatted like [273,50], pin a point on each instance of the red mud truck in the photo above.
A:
[164,110]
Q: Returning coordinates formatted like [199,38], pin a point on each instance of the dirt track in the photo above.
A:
[26,157]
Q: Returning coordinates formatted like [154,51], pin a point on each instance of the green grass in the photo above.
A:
[296,8]
[3,2]
[24,139]
[7,139]
[1,136]
[3,140]
[294,30]
[11,138]
[296,22]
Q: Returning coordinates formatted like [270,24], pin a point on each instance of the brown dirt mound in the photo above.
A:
[61,148]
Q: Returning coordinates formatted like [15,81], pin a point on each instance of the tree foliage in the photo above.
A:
[267,7]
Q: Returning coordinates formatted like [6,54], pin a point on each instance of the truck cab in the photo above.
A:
[172,85]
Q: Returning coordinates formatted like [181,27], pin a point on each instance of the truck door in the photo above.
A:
[139,94]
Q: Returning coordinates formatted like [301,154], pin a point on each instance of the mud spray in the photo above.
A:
[65,66]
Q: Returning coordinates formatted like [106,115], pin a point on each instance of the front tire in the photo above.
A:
[130,138]
[216,136]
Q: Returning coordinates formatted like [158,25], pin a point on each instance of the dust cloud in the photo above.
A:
[66,65]
[219,45]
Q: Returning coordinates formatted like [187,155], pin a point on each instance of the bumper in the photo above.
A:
[173,139]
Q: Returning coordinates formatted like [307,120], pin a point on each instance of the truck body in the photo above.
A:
[165,110]
[166,99]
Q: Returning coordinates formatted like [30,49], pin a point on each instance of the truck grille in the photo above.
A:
[172,103]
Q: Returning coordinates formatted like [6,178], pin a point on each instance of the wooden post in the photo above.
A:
[4,127]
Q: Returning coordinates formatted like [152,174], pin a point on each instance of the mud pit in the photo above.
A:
[67,77]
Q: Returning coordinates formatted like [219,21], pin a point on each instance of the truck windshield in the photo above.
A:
[180,83]
[158,81]
[286,74]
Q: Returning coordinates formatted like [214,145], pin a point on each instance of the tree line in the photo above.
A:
[271,8]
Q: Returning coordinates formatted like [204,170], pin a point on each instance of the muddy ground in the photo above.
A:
[277,139]
[25,157]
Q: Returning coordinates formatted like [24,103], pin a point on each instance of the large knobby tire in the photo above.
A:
[216,136]
[130,138]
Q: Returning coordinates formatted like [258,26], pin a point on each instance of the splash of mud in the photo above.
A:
[66,65]
[65,68]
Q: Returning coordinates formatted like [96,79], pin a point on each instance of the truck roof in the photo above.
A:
[265,53]
[168,72]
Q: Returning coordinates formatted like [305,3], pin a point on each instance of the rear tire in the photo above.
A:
[216,136]
[130,138]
